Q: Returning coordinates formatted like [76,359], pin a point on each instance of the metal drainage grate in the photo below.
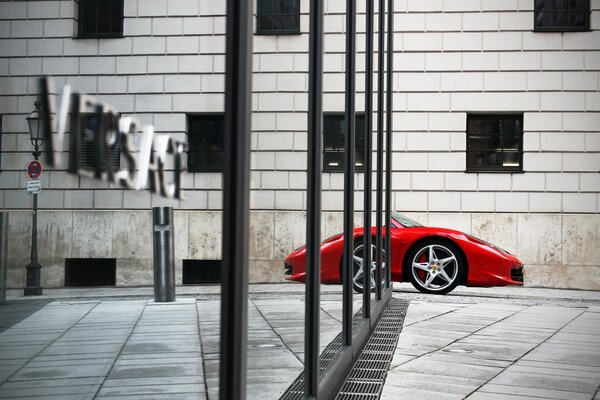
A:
[368,374]
[366,379]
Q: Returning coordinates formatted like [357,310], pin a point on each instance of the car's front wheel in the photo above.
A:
[359,268]
[435,267]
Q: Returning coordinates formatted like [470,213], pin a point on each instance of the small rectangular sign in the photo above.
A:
[34,186]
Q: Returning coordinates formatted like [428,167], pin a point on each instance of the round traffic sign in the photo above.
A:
[34,169]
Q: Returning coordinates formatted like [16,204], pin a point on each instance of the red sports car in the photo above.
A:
[434,260]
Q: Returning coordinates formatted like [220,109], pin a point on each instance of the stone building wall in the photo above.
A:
[451,58]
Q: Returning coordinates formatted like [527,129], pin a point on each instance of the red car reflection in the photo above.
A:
[434,260]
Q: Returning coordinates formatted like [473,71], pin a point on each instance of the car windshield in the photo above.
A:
[404,221]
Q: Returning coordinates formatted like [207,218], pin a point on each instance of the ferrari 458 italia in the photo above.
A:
[434,260]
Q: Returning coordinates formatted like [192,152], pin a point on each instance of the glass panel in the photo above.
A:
[489,138]
[205,141]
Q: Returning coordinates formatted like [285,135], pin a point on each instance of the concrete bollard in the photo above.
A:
[164,254]
[3,254]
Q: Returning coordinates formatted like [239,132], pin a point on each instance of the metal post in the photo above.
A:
[236,194]
[367,261]
[349,138]
[388,146]
[313,217]
[164,254]
[33,285]
[380,102]
[3,254]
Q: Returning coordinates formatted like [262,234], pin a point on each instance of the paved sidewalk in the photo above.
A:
[479,343]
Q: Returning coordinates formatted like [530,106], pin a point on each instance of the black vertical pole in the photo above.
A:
[350,108]
[234,288]
[380,103]
[388,146]
[313,217]
[368,161]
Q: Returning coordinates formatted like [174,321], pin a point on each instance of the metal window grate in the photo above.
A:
[368,374]
[100,18]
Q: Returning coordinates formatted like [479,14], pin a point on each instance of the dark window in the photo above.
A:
[334,130]
[278,17]
[205,142]
[110,157]
[201,271]
[100,18]
[562,15]
[495,143]
[90,271]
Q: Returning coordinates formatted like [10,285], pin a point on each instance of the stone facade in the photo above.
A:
[451,58]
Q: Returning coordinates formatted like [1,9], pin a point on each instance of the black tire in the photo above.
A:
[435,266]
[357,275]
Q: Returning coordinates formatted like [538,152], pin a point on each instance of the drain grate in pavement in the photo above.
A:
[366,379]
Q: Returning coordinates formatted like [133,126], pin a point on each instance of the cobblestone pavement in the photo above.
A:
[516,344]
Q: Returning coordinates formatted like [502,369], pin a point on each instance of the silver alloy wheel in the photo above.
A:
[357,279]
[435,267]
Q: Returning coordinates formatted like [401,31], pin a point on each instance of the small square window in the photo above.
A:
[334,131]
[278,17]
[110,156]
[495,143]
[205,143]
[561,15]
[100,18]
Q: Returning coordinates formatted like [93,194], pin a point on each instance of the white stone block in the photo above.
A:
[558,141]
[480,61]
[579,202]
[502,40]
[276,141]
[539,239]
[428,101]
[592,60]
[562,60]
[545,122]
[427,141]
[462,6]
[291,122]
[582,41]
[214,83]
[276,102]
[592,141]
[131,65]
[301,63]
[58,28]
[494,182]
[402,161]
[448,122]
[297,180]
[130,8]
[294,200]
[13,10]
[182,7]
[477,201]
[212,44]
[411,121]
[186,83]
[542,40]
[533,162]
[153,102]
[145,84]
[544,81]
[263,121]
[423,41]
[499,229]
[120,46]
[592,101]
[446,161]
[416,5]
[97,65]
[274,180]
[581,122]
[35,47]
[590,182]
[196,63]
[409,22]
[443,22]
[26,28]
[276,62]
[163,64]
[204,102]
[512,202]
[580,237]
[78,199]
[170,122]
[521,61]
[460,181]
[462,81]
[463,41]
[290,161]
[444,201]
[149,45]
[25,66]
[152,8]
[504,81]
[580,80]
[60,66]
[262,199]
[494,102]
[427,180]
[108,199]
[545,202]
[408,62]
[400,181]
[516,21]
[15,47]
[137,26]
[194,199]
[182,45]
[443,62]
[410,201]
[486,21]
[77,47]
[562,182]
[581,162]
[200,25]
[418,82]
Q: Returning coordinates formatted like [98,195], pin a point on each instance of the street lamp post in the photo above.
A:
[33,284]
